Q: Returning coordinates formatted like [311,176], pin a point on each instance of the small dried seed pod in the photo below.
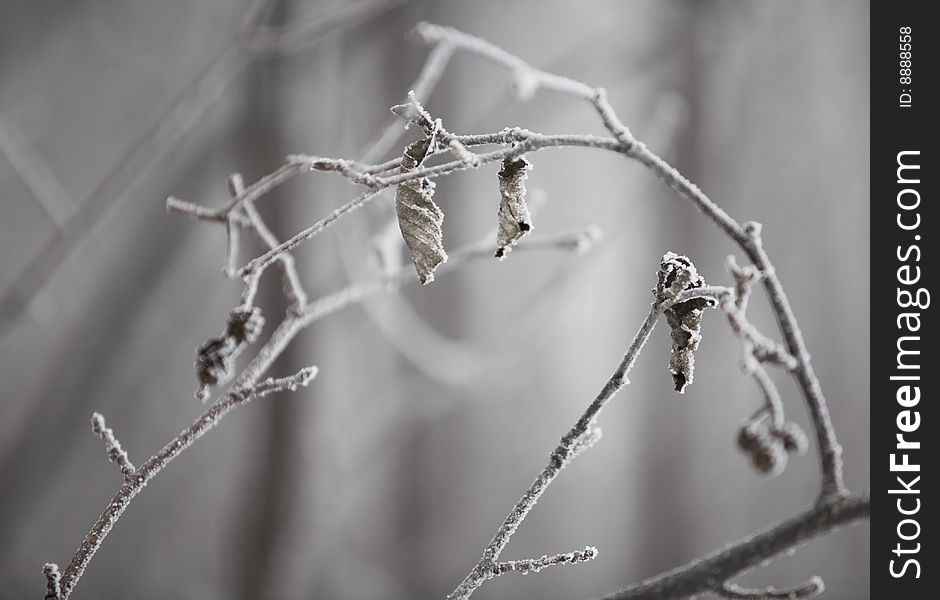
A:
[769,459]
[793,438]
[750,436]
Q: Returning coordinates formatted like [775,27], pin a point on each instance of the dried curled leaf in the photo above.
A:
[216,358]
[515,222]
[419,218]
[676,275]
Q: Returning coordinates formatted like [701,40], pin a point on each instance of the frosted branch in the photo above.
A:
[272,386]
[534,565]
[586,441]
[116,453]
[293,288]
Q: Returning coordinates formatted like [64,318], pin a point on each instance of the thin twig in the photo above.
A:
[53,587]
[273,385]
[293,288]
[116,453]
[534,565]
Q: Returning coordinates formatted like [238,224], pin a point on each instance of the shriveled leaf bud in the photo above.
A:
[676,275]
[793,438]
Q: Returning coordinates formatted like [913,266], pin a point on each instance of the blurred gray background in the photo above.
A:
[434,409]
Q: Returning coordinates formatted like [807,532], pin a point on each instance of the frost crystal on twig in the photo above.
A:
[676,275]
[419,218]
[515,222]
[116,453]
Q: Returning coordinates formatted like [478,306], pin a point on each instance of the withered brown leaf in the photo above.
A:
[515,222]
[419,218]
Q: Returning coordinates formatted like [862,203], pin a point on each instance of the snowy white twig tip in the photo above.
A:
[53,588]
[116,453]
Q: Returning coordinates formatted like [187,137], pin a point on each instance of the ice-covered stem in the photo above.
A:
[812,587]
[256,266]
[534,565]
[756,347]
[434,67]
[293,288]
[747,235]
[116,453]
[830,451]
[272,385]
[53,589]
[573,442]
[252,221]
[712,571]
[136,482]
